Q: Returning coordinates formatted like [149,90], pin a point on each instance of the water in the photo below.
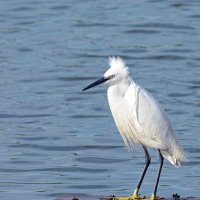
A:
[56,140]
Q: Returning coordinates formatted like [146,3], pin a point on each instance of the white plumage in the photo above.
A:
[138,116]
[139,119]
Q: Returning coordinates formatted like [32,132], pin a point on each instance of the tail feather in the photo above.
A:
[175,156]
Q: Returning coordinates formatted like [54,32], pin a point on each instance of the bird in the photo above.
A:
[140,120]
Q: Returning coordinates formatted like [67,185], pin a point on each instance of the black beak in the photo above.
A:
[99,81]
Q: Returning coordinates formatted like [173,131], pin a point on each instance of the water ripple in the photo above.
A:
[100,160]
[88,186]
[166,57]
[141,31]
[4,116]
[165,26]
[54,169]
[63,7]
[83,24]
[88,116]
[64,148]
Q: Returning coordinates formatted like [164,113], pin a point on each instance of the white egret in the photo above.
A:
[139,119]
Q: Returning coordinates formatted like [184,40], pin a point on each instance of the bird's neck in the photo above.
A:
[119,89]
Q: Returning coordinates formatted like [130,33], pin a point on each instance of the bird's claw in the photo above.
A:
[135,196]
[153,197]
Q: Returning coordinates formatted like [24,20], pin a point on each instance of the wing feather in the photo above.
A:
[149,120]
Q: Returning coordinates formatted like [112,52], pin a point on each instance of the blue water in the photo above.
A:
[56,140]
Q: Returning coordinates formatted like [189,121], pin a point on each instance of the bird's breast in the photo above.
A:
[121,102]
[122,109]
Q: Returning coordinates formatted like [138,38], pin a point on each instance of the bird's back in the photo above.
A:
[141,120]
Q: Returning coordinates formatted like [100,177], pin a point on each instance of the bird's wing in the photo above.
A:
[148,118]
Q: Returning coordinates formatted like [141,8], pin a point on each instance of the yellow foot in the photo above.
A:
[134,196]
[153,197]
[122,198]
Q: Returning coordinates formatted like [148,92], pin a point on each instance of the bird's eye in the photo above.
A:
[112,76]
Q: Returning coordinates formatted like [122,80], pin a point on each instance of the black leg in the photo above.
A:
[159,172]
[147,161]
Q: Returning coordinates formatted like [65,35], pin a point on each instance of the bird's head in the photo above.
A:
[118,72]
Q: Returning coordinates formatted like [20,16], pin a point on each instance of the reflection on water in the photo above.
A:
[54,139]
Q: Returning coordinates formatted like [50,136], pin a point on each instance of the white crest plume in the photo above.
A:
[118,65]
